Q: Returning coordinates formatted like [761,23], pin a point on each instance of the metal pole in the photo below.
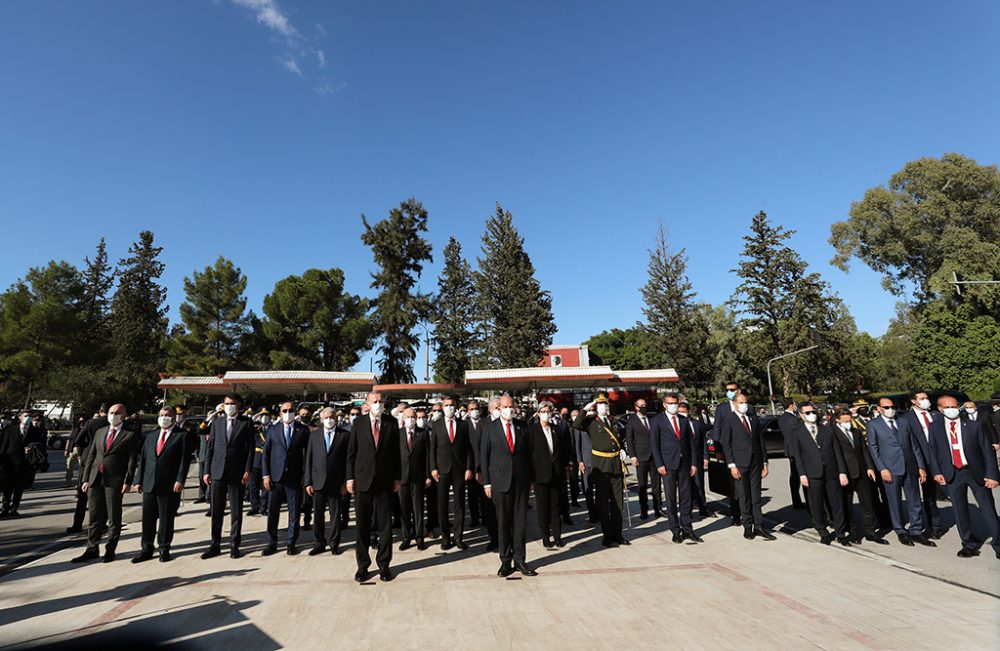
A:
[427,359]
[769,388]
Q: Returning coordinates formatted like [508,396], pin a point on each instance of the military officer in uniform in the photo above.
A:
[608,470]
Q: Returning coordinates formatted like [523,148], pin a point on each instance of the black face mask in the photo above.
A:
[641,410]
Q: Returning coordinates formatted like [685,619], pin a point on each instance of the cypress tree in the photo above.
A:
[454,317]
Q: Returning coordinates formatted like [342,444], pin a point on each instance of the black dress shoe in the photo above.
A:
[705,513]
[335,550]
[547,543]
[825,539]
[88,555]
[446,544]
[878,540]
[693,537]
[235,553]
[360,576]
[623,541]
[211,552]
[406,544]
[505,571]
[559,543]
[609,543]
[937,533]
[317,550]
[525,569]
[461,544]
[306,523]
[74,529]
[165,556]
[643,516]
[764,533]
[292,550]
[904,539]
[386,575]
[748,533]
[924,540]
[253,512]
[421,545]
[109,556]
[373,543]
[844,541]
[966,552]
[677,537]
[269,550]
[568,521]
[208,514]
[144,555]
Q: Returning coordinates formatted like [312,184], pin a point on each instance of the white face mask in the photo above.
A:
[165,422]
[951,413]
[449,411]
[230,410]
[507,413]
[474,414]
[115,420]
[924,404]
[671,408]
[543,417]
[845,426]
[329,423]
[889,413]
[288,418]
[265,420]
[375,408]
[970,410]
[602,409]
[810,418]
[421,423]
[742,407]
[408,422]
[435,416]
[494,414]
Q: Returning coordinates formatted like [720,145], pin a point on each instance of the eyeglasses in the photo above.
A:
[806,413]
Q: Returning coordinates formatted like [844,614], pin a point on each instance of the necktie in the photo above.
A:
[375,431]
[510,438]
[329,440]
[956,452]
[162,442]
[451,430]
[892,426]
[229,429]
[812,433]
[409,440]
[927,421]
[107,445]
[746,424]
[288,435]
[644,423]
[677,428]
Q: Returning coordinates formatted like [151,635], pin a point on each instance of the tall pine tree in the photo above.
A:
[515,312]
[138,324]
[400,252]
[454,317]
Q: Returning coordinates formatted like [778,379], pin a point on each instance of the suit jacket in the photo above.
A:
[857,456]
[721,412]
[582,447]
[283,463]
[787,422]
[738,446]
[119,460]
[816,459]
[476,440]
[504,470]
[326,470]
[549,467]
[891,450]
[157,474]
[917,429]
[374,468]
[669,451]
[415,464]
[12,457]
[637,438]
[979,456]
[228,461]
[698,431]
[447,457]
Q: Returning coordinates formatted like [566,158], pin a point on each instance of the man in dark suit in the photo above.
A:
[258,497]
[550,451]
[228,461]
[452,464]
[962,460]
[414,457]
[860,478]
[607,469]
[12,458]
[107,476]
[373,475]
[480,508]
[698,430]
[326,479]
[743,445]
[164,460]
[991,421]
[787,422]
[82,441]
[722,411]
[641,455]
[33,438]
[563,424]
[901,465]
[507,480]
[281,465]
[820,463]
[674,452]
[919,418]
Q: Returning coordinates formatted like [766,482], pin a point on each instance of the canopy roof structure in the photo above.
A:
[272,382]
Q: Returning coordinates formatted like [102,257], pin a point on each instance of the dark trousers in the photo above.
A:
[456,480]
[305,506]
[795,484]
[698,489]
[960,503]
[894,490]
[477,499]
[258,501]
[327,500]
[749,497]
[345,510]
[865,489]
[574,484]
[677,484]
[881,500]
[609,502]
[646,470]
[411,502]
[823,491]
[931,514]
[512,523]
[548,496]
[80,510]
[7,486]
[160,509]
[590,494]
[279,494]
[202,486]
[104,509]
[219,492]
[366,504]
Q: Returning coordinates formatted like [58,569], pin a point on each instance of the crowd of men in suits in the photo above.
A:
[22,454]
[420,469]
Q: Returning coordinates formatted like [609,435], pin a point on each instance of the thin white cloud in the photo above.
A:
[326,88]
[321,56]
[293,66]
[320,30]
[268,14]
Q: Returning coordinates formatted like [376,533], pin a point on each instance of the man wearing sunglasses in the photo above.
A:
[822,471]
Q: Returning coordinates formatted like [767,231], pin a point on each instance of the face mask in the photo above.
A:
[731,395]
[115,420]
[494,414]
[602,409]
[421,422]
[507,413]
[353,418]
[288,418]
[165,422]
[970,411]
[230,410]
[375,408]
[845,426]
[408,422]
[543,417]
[265,420]
[25,420]
[329,423]
[951,413]
[742,407]
[436,416]
[641,410]
[449,411]
[474,414]
[889,413]
[810,418]
[671,408]
[180,420]
[924,404]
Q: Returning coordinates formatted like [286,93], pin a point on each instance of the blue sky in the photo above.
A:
[262,129]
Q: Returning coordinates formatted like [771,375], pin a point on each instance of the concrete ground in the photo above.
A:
[725,593]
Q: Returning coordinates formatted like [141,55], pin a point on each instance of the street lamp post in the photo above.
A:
[770,389]
[427,352]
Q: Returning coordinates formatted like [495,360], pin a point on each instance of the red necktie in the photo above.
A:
[107,446]
[162,442]
[746,424]
[510,439]
[451,430]
[956,452]
[375,431]
[927,421]
[677,429]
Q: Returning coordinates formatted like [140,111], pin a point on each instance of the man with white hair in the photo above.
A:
[324,479]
